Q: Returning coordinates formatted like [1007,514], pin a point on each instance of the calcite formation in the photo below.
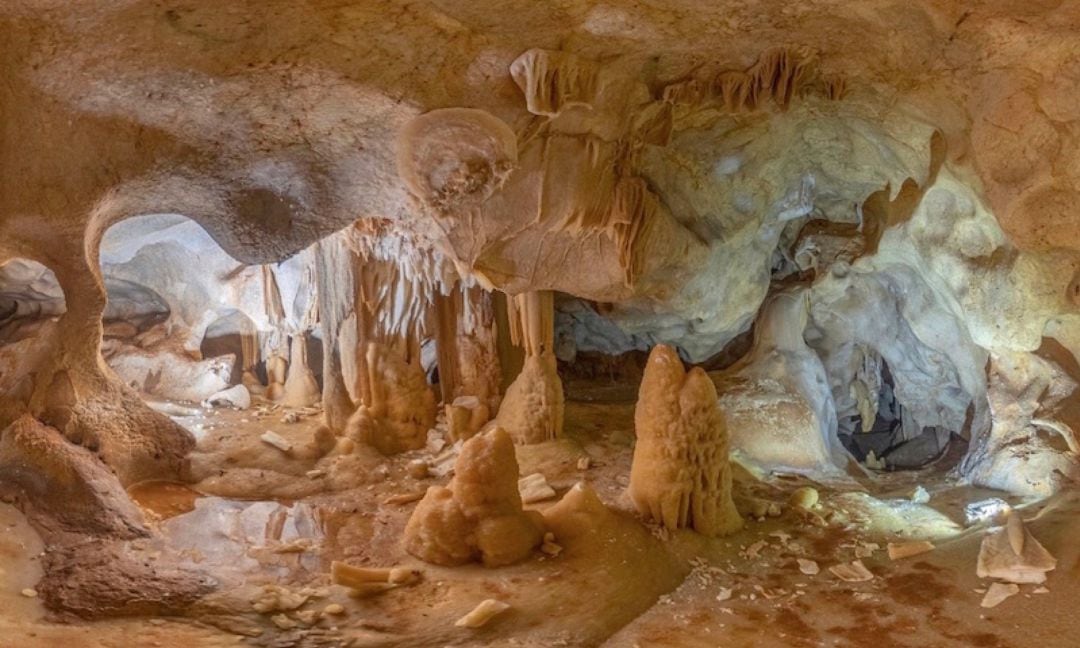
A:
[478,516]
[1012,554]
[340,250]
[398,409]
[533,408]
[680,475]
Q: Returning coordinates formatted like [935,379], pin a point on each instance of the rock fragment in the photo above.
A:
[853,572]
[901,550]
[482,613]
[534,488]
[998,592]
[808,567]
[549,546]
[357,577]
[805,497]
[1013,555]
[276,440]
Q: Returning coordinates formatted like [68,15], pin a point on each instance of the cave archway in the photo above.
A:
[185,320]
[29,296]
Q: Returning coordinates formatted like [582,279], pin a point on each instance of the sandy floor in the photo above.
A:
[259,518]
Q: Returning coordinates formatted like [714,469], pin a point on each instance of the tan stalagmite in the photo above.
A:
[374,374]
[532,410]
[300,389]
[276,375]
[397,409]
[680,475]
[478,516]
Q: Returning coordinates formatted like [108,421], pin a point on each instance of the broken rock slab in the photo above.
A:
[853,572]
[998,592]
[1012,554]
[534,488]
[237,397]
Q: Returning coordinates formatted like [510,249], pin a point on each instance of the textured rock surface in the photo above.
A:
[67,487]
[680,477]
[880,196]
[590,153]
[478,516]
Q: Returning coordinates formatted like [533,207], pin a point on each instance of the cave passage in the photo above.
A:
[886,443]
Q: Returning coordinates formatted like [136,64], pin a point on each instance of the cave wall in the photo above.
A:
[664,162]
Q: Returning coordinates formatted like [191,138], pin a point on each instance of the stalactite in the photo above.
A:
[250,354]
[276,364]
[393,288]
[532,410]
[553,81]
[334,275]
[779,74]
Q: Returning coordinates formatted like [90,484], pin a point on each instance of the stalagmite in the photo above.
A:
[469,370]
[532,409]
[276,373]
[300,388]
[398,409]
[680,476]
[478,516]
[375,387]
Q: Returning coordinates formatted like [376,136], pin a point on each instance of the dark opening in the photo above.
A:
[886,445]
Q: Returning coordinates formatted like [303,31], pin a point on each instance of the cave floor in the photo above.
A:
[257,518]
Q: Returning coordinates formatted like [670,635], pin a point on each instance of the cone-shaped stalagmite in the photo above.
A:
[680,476]
[478,516]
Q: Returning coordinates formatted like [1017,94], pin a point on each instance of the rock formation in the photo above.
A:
[1012,554]
[387,232]
[680,477]
[398,408]
[478,516]
[532,409]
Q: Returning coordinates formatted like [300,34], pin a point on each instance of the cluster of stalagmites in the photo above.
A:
[681,477]
[398,410]
[479,515]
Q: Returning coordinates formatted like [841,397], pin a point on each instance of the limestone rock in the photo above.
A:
[478,516]
[67,488]
[532,409]
[400,409]
[680,475]
[1012,554]
[236,396]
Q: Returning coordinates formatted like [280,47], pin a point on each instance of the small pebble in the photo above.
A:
[418,469]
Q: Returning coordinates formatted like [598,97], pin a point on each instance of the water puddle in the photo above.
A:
[164,499]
